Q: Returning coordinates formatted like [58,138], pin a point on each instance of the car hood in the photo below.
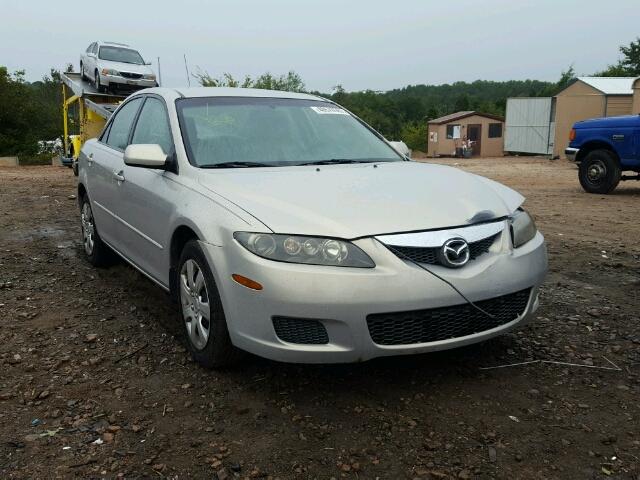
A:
[351,201]
[620,121]
[125,67]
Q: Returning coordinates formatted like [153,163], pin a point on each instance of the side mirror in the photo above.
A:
[148,155]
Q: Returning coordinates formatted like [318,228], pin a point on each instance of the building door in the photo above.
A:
[474,133]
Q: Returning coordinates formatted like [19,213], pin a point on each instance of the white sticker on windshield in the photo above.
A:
[329,110]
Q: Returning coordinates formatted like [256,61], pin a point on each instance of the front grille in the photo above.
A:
[432,325]
[430,254]
[134,76]
[300,330]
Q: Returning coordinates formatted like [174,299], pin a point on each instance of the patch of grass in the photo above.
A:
[40,159]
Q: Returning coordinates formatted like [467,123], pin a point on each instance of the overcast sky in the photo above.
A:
[359,44]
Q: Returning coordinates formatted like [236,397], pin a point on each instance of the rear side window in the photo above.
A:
[94,48]
[121,124]
[153,125]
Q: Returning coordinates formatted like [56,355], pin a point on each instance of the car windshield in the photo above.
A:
[236,132]
[117,54]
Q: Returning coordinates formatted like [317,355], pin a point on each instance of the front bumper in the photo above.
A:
[116,81]
[571,153]
[341,298]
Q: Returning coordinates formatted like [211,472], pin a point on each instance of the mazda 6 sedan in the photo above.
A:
[284,226]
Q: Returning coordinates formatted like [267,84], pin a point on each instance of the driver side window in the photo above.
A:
[153,126]
[121,125]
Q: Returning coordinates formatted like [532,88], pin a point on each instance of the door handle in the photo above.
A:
[119,176]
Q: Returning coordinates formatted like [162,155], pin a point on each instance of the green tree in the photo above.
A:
[631,57]
[415,135]
[17,112]
[462,103]
[291,82]
[29,112]
[628,65]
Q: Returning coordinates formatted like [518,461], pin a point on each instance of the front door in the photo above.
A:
[474,134]
[147,196]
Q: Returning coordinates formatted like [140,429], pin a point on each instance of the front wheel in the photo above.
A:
[97,83]
[203,318]
[599,172]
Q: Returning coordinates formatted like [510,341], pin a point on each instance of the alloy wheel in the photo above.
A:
[88,228]
[194,299]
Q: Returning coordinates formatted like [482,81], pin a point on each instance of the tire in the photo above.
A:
[97,84]
[599,172]
[97,252]
[82,75]
[207,338]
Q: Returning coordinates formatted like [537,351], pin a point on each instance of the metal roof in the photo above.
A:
[610,85]
[464,114]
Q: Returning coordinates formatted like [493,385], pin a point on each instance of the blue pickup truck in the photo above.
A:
[603,149]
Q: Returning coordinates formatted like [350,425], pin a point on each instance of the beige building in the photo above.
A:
[451,132]
[635,107]
[591,97]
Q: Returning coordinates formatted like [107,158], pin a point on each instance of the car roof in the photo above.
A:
[115,44]
[199,92]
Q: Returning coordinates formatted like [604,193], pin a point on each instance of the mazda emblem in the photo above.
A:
[454,253]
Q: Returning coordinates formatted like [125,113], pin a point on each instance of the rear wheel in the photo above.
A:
[599,172]
[203,318]
[82,74]
[98,253]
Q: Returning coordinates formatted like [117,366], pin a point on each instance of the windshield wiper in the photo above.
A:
[236,165]
[332,161]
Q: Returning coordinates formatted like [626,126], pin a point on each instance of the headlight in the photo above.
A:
[301,249]
[523,228]
[110,71]
[149,77]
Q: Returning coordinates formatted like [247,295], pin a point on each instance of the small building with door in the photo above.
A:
[477,134]
[590,97]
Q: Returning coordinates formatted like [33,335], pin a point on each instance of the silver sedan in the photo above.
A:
[284,226]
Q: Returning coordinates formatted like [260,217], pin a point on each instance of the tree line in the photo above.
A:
[32,111]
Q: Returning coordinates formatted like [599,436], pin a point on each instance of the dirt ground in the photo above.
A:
[95,380]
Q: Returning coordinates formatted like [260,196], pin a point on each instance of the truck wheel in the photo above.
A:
[98,253]
[599,172]
[205,325]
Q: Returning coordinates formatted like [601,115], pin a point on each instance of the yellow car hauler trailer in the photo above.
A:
[85,111]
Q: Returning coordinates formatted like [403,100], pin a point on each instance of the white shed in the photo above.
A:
[530,125]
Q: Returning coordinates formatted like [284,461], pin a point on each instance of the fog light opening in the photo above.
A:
[246,282]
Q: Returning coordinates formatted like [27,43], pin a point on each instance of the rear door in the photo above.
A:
[148,195]
[105,167]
